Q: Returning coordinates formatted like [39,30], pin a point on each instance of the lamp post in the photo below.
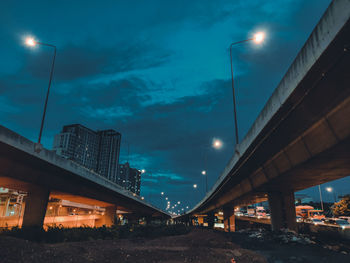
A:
[319,189]
[32,42]
[258,38]
[204,172]
[330,190]
[216,144]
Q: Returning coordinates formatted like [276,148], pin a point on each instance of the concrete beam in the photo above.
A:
[229,218]
[210,219]
[108,218]
[282,206]
[35,207]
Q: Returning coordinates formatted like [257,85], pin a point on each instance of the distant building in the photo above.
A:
[129,178]
[98,151]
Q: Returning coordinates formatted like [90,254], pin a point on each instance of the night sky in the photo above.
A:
[156,71]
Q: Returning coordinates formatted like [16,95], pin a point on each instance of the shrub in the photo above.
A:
[58,234]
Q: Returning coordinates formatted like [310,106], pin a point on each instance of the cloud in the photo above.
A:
[90,59]
[156,71]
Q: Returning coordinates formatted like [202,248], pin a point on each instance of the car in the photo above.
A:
[299,219]
[314,221]
[238,213]
[347,218]
[338,222]
[342,223]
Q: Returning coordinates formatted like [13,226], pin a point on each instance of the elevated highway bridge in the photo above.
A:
[301,137]
[44,175]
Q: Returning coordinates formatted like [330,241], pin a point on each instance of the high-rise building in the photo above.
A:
[98,151]
[129,178]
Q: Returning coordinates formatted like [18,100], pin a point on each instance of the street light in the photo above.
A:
[319,189]
[195,186]
[32,42]
[217,143]
[330,190]
[257,39]
[206,180]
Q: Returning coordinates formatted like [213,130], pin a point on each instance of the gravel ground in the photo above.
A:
[200,245]
[287,246]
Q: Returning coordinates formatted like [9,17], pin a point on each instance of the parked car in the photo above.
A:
[239,213]
[314,221]
[338,222]
[347,218]
[299,219]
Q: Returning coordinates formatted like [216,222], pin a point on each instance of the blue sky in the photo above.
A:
[156,71]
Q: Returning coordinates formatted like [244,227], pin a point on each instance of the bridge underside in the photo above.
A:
[302,136]
[45,182]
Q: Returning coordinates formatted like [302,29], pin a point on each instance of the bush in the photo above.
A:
[60,234]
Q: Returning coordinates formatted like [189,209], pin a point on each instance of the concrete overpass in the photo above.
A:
[46,175]
[301,137]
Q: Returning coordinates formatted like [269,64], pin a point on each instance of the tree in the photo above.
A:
[342,208]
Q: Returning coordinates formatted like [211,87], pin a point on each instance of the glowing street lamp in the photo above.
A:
[204,172]
[143,171]
[32,42]
[217,144]
[162,193]
[258,38]
[330,190]
[178,202]
[195,186]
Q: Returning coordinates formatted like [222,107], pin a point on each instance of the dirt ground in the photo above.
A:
[200,245]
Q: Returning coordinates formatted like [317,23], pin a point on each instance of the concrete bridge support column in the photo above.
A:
[211,219]
[148,220]
[190,221]
[229,219]
[108,218]
[35,207]
[282,206]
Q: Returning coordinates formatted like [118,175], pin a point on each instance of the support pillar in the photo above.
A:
[229,218]
[210,219]
[108,218]
[35,207]
[148,220]
[282,206]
